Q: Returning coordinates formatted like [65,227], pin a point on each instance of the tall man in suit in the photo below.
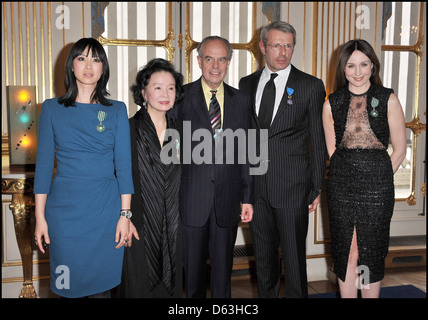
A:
[216,194]
[290,107]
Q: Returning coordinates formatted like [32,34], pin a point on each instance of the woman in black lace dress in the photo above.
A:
[360,119]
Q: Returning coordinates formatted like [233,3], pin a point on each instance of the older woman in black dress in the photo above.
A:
[360,118]
[152,265]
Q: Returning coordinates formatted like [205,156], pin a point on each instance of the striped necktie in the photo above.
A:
[215,113]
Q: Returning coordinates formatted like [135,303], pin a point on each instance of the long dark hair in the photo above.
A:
[346,52]
[100,92]
[143,78]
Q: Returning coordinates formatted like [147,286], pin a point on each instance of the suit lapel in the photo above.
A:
[227,106]
[198,102]
[253,90]
[200,108]
[292,82]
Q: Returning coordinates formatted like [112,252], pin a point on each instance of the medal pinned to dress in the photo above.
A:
[374,104]
[290,92]
[101,117]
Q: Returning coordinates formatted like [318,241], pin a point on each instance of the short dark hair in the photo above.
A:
[346,52]
[143,77]
[100,92]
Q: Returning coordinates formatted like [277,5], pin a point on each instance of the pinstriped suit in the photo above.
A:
[297,158]
[211,194]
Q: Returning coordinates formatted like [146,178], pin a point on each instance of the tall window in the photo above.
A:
[401,63]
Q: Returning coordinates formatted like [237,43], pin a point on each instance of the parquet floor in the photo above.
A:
[246,286]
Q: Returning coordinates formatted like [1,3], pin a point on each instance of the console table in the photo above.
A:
[19,184]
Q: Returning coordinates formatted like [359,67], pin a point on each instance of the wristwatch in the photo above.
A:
[126,213]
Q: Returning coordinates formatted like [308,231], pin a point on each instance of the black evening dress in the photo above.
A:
[152,266]
[360,191]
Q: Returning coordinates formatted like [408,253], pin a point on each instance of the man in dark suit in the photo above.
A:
[290,107]
[215,194]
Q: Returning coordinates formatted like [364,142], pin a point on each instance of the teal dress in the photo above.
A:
[83,203]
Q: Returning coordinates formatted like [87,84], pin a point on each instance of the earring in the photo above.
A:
[145,104]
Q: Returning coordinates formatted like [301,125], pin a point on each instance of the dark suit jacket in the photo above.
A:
[296,144]
[222,185]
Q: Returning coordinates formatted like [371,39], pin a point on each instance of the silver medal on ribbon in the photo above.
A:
[101,117]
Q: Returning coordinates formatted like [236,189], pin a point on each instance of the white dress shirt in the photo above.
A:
[280,84]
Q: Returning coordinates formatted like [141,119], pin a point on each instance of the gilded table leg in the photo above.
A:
[22,206]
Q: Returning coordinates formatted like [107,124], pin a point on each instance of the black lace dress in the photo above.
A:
[360,190]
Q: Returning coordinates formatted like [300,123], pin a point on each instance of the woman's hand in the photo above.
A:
[40,233]
[122,231]
[132,232]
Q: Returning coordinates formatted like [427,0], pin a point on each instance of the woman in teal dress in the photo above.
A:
[83,213]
